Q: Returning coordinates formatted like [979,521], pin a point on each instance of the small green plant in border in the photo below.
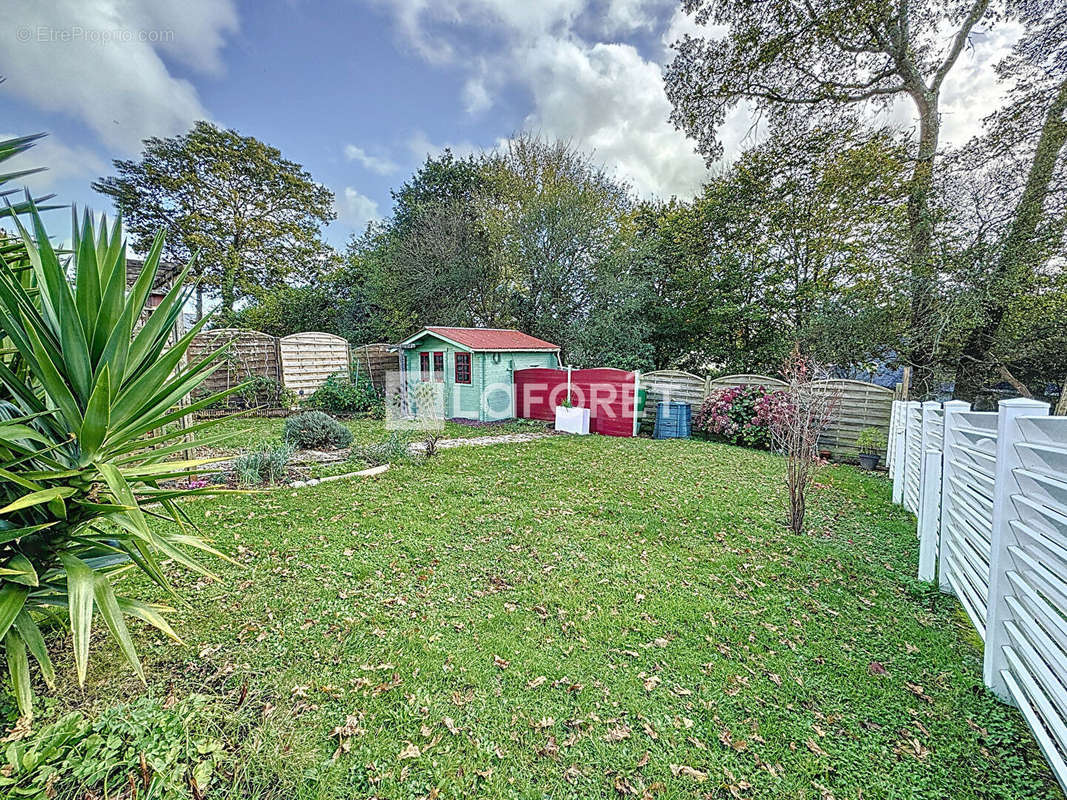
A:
[89,387]
[266,465]
[144,744]
[389,451]
[871,441]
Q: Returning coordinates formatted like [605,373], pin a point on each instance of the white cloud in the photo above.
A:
[100,62]
[378,164]
[62,161]
[421,147]
[606,96]
[631,15]
[476,95]
[608,99]
[603,96]
[356,209]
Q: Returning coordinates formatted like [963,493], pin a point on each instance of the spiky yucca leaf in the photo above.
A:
[86,428]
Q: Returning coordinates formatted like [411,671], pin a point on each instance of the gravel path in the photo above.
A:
[480,441]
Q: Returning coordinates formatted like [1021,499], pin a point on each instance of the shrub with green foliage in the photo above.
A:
[265,465]
[342,396]
[316,430]
[73,757]
[389,451]
[90,384]
[871,441]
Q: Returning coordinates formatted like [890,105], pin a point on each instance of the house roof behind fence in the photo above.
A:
[487,338]
[165,275]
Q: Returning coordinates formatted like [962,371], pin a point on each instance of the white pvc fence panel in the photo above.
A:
[992,519]
[913,422]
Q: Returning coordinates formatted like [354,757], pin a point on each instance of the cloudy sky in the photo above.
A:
[359,91]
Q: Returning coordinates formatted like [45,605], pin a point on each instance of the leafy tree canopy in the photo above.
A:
[252,217]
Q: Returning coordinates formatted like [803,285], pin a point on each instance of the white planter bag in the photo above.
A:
[572,420]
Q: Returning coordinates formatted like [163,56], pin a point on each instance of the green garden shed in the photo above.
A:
[476,366]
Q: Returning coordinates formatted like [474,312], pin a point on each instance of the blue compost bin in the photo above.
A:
[672,420]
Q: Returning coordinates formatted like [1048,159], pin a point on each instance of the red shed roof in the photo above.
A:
[486,338]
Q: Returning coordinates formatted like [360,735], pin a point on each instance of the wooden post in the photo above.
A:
[929,491]
[905,384]
[948,472]
[1003,536]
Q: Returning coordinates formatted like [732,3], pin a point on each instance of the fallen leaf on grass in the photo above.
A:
[876,668]
[550,750]
[501,663]
[411,751]
[917,690]
[618,733]
[813,746]
[680,770]
[540,679]
[451,725]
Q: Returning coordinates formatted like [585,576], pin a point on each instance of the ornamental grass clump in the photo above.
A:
[90,383]
[742,415]
[265,465]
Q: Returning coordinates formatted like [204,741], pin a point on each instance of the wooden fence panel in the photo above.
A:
[251,353]
[670,384]
[862,405]
[726,381]
[374,361]
[308,359]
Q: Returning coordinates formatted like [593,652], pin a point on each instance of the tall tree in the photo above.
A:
[253,217]
[823,55]
[429,263]
[1028,137]
[794,243]
[555,214]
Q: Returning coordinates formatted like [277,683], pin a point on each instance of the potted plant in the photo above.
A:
[570,419]
[871,442]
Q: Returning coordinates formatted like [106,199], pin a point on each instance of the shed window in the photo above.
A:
[463,367]
[424,365]
[439,366]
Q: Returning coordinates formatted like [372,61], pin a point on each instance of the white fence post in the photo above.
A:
[1000,560]
[952,407]
[896,433]
[929,514]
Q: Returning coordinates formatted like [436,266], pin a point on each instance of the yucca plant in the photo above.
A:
[11,249]
[89,447]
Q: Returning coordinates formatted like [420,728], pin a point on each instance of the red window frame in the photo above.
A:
[424,365]
[439,366]
[466,368]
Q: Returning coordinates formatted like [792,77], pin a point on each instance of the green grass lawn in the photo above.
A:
[580,617]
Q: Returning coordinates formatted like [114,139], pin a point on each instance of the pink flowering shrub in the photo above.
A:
[741,415]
